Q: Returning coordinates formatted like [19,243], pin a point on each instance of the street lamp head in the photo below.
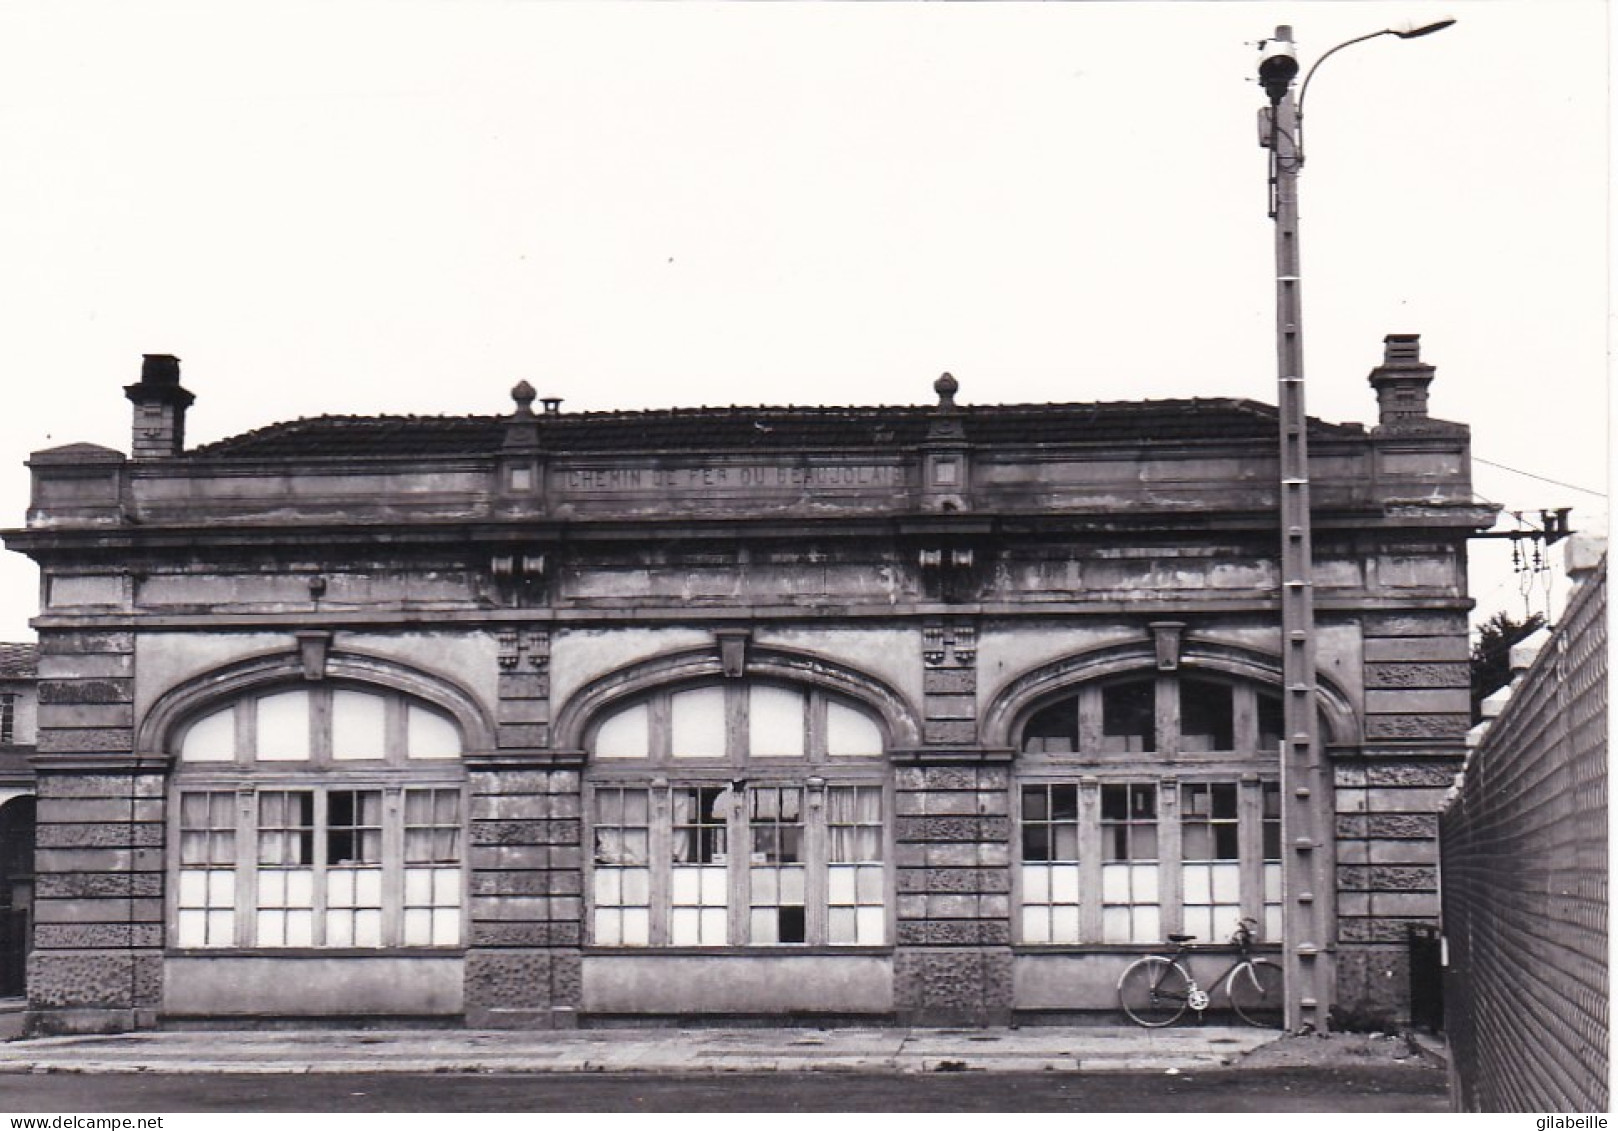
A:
[1277,65]
[1424,29]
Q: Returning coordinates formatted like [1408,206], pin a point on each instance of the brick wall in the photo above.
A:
[1524,863]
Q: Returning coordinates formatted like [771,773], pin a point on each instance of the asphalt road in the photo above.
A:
[1368,1089]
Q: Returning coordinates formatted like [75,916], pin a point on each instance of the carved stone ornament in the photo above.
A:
[1167,634]
[733,651]
[313,646]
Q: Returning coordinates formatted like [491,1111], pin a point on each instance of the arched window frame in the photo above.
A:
[400,820]
[689,805]
[1124,837]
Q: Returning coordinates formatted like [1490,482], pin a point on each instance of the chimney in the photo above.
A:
[1401,382]
[160,403]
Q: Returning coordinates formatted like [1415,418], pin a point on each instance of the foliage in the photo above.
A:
[1491,653]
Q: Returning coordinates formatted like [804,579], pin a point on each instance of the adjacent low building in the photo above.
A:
[935,714]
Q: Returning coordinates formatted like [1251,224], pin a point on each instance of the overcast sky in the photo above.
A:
[406,207]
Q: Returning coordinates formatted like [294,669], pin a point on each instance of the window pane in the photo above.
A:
[1053,730]
[851,733]
[431,735]
[211,738]
[1270,724]
[625,734]
[358,729]
[775,723]
[697,723]
[283,727]
[1129,716]
[1207,716]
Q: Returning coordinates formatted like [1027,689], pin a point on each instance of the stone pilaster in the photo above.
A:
[1387,801]
[953,857]
[98,901]
[952,830]
[526,898]
[522,965]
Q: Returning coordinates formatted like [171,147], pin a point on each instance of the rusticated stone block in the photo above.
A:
[1391,826]
[1386,877]
[1410,675]
[567,980]
[510,832]
[1418,649]
[98,885]
[90,980]
[509,857]
[508,979]
[97,936]
[522,736]
[956,830]
[85,810]
[84,643]
[511,934]
[510,908]
[1439,773]
[949,733]
[949,681]
[562,832]
[1375,930]
[524,685]
[1416,624]
[88,665]
[99,836]
[950,706]
[954,933]
[952,880]
[523,781]
[100,910]
[1417,726]
[86,740]
[503,934]
[82,691]
[937,804]
[1435,773]
[953,986]
[148,981]
[86,716]
[55,783]
[1448,700]
[1373,984]
[509,806]
[524,711]
[511,883]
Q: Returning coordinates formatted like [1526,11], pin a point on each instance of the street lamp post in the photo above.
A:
[1307,811]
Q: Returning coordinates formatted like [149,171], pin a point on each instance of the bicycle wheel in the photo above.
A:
[1256,993]
[1153,991]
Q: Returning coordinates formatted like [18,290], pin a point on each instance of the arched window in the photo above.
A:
[739,813]
[1150,804]
[318,817]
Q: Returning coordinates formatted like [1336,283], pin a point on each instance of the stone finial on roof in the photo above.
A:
[523,393]
[946,425]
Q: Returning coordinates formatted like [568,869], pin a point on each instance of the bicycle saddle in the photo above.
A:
[1181,938]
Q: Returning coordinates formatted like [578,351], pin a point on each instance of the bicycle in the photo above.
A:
[1154,991]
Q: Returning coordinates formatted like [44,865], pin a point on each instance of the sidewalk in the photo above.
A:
[692,1051]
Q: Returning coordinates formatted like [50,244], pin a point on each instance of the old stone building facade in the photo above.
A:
[930,714]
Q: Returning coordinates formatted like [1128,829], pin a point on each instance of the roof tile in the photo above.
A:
[760,428]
